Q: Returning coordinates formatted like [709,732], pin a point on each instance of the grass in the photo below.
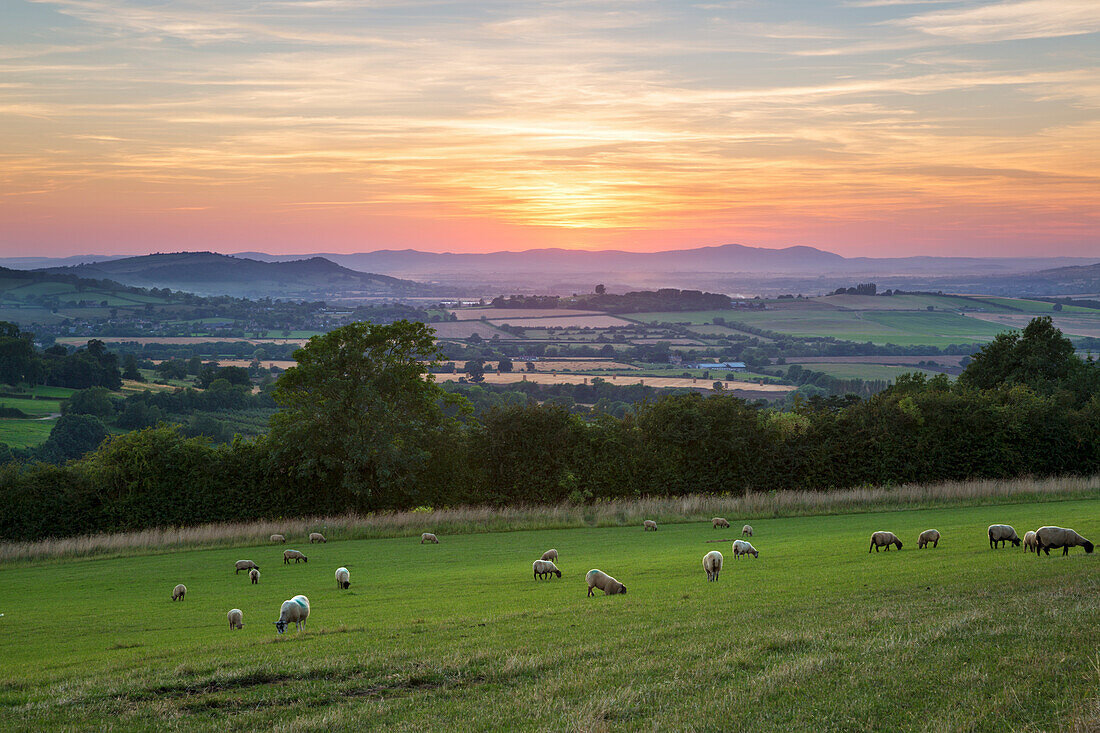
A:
[24,433]
[32,407]
[816,634]
[863,371]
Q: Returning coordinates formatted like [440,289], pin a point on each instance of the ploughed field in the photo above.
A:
[815,634]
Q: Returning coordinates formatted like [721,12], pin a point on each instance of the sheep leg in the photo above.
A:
[589,591]
[1065,550]
[936,544]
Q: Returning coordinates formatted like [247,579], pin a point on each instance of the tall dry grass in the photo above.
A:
[467,520]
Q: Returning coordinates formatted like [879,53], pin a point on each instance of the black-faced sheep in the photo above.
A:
[343,578]
[741,547]
[245,565]
[294,555]
[883,539]
[544,569]
[429,537]
[720,522]
[278,538]
[316,537]
[179,592]
[236,619]
[1002,533]
[712,563]
[928,535]
[295,611]
[746,530]
[254,576]
[549,555]
[603,581]
[649,525]
[1048,537]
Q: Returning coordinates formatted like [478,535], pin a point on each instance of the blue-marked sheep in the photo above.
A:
[549,555]
[245,565]
[294,555]
[179,592]
[429,537]
[236,619]
[649,525]
[295,611]
[545,569]
[1031,542]
[1048,537]
[720,522]
[712,563]
[1002,533]
[883,539]
[316,537]
[741,547]
[746,530]
[603,581]
[278,538]
[927,536]
[254,576]
[343,578]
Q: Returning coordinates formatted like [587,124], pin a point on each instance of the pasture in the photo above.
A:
[816,634]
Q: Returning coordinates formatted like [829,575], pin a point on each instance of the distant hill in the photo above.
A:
[209,273]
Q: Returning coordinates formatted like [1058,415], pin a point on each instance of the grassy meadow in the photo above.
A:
[815,634]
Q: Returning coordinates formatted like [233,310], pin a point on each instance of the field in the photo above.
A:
[1072,325]
[16,433]
[862,371]
[27,433]
[625,379]
[816,634]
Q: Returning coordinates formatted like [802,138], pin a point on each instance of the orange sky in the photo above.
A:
[866,127]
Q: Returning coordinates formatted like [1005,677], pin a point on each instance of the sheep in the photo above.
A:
[316,537]
[295,611]
[1048,537]
[720,522]
[549,555]
[648,525]
[603,581]
[236,619]
[245,565]
[179,592]
[928,535]
[883,539]
[429,537]
[343,578]
[544,568]
[712,563]
[1002,533]
[254,576]
[294,555]
[1031,542]
[278,538]
[741,547]
[746,530]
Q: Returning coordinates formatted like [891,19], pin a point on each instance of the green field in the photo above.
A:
[815,635]
[1035,306]
[847,370]
[24,433]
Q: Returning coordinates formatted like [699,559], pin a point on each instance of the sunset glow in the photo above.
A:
[867,127]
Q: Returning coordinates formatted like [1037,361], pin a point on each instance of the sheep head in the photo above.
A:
[1089,547]
[280,626]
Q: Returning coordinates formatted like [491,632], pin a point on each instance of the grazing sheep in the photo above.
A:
[236,619]
[928,535]
[295,611]
[549,555]
[712,563]
[1048,537]
[544,568]
[648,525]
[883,539]
[1002,533]
[741,547]
[1031,542]
[343,578]
[603,581]
[746,530]
[720,522]
[179,592]
[316,537]
[429,537]
[254,576]
[294,555]
[245,565]
[278,538]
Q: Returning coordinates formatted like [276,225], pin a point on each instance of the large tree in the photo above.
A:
[360,415]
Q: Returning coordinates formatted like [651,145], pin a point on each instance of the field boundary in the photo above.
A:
[612,513]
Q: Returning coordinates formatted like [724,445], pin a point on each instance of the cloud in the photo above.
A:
[1009,21]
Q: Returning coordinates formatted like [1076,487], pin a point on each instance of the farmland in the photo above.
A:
[816,633]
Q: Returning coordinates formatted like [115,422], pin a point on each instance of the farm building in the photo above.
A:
[733,366]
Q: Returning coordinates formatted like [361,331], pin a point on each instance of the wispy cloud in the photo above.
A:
[1010,20]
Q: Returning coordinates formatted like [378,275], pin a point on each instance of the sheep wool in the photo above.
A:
[746,530]
[179,592]
[236,619]
[712,563]
[343,578]
[883,539]
[316,537]
[928,535]
[649,525]
[549,555]
[278,538]
[720,522]
[1048,537]
[545,568]
[295,611]
[429,537]
[254,576]
[1002,533]
[245,565]
[294,555]
[603,581]
[1031,542]
[741,547]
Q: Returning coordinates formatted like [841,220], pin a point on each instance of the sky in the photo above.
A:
[865,127]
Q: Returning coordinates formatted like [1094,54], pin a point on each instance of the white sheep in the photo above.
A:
[544,568]
[343,578]
[712,563]
[720,522]
[1031,542]
[179,592]
[1002,533]
[236,618]
[316,537]
[603,581]
[245,565]
[549,555]
[278,538]
[429,537]
[295,611]
[741,547]
[254,576]
[1048,537]
[928,535]
[883,539]
[746,530]
[294,555]
[648,525]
